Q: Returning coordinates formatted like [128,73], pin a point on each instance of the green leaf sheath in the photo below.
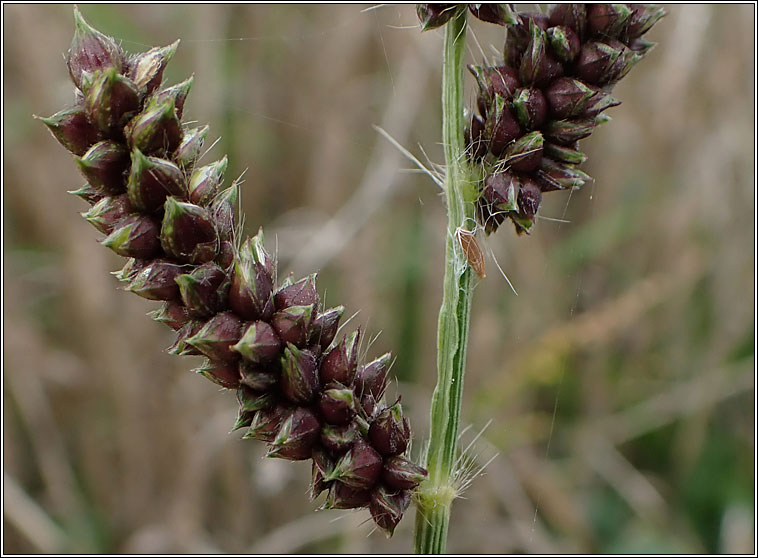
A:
[435,496]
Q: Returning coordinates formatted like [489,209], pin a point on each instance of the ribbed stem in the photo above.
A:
[435,496]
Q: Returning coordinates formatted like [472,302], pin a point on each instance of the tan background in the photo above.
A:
[619,382]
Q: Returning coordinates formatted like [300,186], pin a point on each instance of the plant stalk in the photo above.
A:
[436,494]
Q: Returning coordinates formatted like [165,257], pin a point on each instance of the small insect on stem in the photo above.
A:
[472,251]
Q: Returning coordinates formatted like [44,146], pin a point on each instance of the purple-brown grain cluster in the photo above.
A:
[302,391]
[548,92]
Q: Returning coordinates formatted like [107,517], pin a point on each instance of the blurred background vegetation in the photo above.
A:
[619,382]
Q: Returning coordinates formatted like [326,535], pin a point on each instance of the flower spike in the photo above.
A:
[269,339]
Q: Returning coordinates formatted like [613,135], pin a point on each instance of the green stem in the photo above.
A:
[435,496]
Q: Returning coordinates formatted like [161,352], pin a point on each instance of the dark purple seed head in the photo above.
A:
[390,432]
[157,281]
[108,212]
[325,327]
[554,175]
[224,208]
[146,69]
[259,255]
[519,30]
[205,182]
[476,145]
[73,129]
[191,148]
[565,154]
[530,107]
[644,16]
[372,377]
[225,256]
[135,236]
[564,42]
[88,193]
[104,165]
[539,19]
[485,97]
[287,281]
[492,81]
[337,405]
[598,103]
[129,271]
[339,439]
[315,348]
[188,232]
[259,343]
[568,132]
[252,281]
[359,468]
[251,292]
[552,69]
[501,127]
[538,68]
[490,217]
[176,93]
[296,436]
[400,473]
[318,484]
[243,420]
[180,345]
[172,313]
[608,20]
[292,324]
[491,13]
[513,50]
[600,63]
[111,99]
[320,467]
[534,56]
[265,424]
[387,508]
[301,293]
[151,180]
[339,365]
[529,198]
[433,16]
[344,497]
[257,378]
[299,381]
[573,16]
[524,154]
[502,80]
[250,400]
[369,406]
[218,335]
[204,290]
[91,51]
[156,129]
[624,65]
[500,191]
[568,97]
[221,373]
[322,461]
